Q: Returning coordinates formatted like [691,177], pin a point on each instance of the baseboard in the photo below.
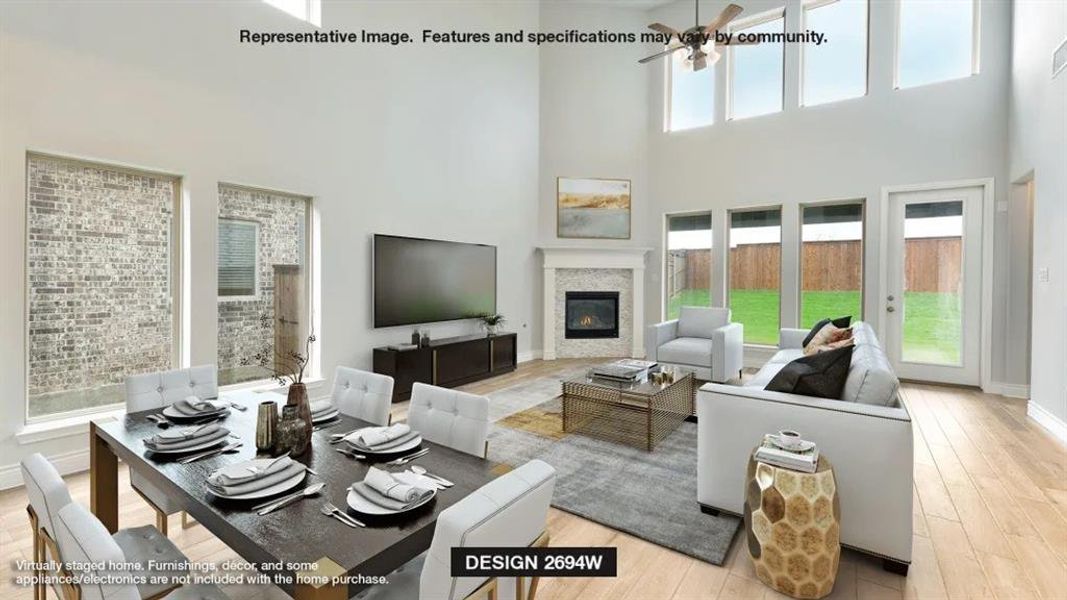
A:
[66,463]
[1011,390]
[1049,421]
[528,356]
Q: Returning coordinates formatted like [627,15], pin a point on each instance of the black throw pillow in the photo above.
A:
[822,374]
[840,323]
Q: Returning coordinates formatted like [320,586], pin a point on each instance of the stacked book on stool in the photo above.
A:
[787,450]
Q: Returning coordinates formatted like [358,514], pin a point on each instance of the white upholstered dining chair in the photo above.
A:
[362,395]
[510,511]
[157,390]
[451,418]
[76,539]
[84,540]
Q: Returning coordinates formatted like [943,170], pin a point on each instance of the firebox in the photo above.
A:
[592,315]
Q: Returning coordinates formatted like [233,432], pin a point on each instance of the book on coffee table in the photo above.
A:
[806,461]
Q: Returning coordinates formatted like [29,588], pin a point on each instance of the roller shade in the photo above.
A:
[237,258]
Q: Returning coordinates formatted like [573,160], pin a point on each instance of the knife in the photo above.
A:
[209,453]
[304,493]
[410,457]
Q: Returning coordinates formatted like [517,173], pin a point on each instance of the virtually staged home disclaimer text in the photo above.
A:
[538,38]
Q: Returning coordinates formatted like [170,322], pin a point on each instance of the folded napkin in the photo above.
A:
[192,406]
[259,481]
[388,491]
[243,472]
[321,407]
[373,438]
[172,440]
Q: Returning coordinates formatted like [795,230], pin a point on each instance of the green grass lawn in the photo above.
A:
[931,323]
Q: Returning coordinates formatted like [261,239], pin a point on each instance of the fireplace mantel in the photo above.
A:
[579,257]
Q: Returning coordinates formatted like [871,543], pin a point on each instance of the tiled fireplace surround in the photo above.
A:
[578,269]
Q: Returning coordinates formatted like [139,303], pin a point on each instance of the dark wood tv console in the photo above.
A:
[447,362]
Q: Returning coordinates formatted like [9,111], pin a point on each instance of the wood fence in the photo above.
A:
[931,265]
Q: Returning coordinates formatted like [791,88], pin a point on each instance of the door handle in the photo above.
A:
[890,297]
[890,309]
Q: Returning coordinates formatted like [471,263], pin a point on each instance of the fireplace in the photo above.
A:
[592,315]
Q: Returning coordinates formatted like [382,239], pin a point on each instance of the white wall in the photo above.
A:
[1038,136]
[594,108]
[851,149]
[439,142]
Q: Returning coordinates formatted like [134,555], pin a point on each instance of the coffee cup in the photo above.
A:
[789,439]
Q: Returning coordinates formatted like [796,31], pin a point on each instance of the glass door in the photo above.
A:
[933,302]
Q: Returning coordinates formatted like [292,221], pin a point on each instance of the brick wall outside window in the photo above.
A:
[246,325]
[99,255]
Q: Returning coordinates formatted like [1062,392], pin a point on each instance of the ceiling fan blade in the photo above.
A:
[660,27]
[660,54]
[728,14]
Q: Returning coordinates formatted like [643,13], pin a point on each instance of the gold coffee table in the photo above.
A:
[793,526]
[635,414]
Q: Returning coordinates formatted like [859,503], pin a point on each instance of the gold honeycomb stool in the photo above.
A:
[793,527]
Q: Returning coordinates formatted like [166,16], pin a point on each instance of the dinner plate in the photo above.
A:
[278,488]
[172,413]
[409,445]
[362,505]
[333,414]
[215,442]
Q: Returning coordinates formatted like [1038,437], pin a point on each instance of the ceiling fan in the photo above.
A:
[693,38]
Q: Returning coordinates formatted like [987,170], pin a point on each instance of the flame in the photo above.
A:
[586,321]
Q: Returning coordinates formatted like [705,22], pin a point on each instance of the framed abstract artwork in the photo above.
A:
[593,208]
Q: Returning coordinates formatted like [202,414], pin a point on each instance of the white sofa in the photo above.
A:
[702,339]
[867,437]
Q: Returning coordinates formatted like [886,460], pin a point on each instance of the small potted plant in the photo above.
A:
[491,321]
[287,368]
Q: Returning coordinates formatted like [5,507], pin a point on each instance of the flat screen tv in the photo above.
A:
[422,281]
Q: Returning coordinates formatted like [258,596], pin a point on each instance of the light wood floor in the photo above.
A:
[990,517]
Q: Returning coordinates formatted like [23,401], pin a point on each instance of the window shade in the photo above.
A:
[237,258]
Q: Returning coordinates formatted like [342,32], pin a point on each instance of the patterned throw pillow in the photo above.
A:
[840,322]
[829,334]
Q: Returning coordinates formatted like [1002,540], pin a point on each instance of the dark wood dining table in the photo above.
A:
[298,534]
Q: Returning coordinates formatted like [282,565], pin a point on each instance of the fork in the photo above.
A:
[331,510]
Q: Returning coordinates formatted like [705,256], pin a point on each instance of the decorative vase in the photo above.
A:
[266,426]
[298,397]
[490,330]
[293,433]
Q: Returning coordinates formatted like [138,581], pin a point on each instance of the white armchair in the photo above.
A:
[702,339]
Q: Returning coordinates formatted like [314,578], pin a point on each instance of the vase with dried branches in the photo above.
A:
[287,368]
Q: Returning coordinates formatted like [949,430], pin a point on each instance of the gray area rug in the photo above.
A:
[648,495]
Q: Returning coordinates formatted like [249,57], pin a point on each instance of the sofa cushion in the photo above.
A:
[786,356]
[871,379]
[686,351]
[821,375]
[699,321]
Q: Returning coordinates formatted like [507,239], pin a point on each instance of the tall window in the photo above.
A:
[305,10]
[837,69]
[756,71]
[688,262]
[263,282]
[935,41]
[692,94]
[755,268]
[101,246]
[831,262]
